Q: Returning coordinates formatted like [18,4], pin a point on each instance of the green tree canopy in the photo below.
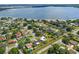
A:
[77,48]
[63,51]
[29,26]
[55,49]
[78,32]
[2,50]
[26,51]
[68,29]
[14,51]
[66,40]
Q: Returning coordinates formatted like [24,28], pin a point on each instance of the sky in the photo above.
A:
[39,1]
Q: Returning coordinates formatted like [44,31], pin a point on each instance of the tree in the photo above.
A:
[22,42]
[14,51]
[68,29]
[44,21]
[25,19]
[78,32]
[20,45]
[27,40]
[63,51]
[66,41]
[2,50]
[75,21]
[34,29]
[54,49]
[68,21]
[29,27]
[50,50]
[4,31]
[26,51]
[24,24]
[77,48]
[4,18]
[38,33]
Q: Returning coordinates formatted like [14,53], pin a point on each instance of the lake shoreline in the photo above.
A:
[13,18]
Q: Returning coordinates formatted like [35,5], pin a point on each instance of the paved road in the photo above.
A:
[70,48]
[20,51]
[75,31]
[60,42]
[42,50]
[6,52]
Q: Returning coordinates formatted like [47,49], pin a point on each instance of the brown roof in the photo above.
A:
[2,38]
[18,34]
[29,45]
[11,41]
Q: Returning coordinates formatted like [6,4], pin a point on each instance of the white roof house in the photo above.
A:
[37,43]
[43,38]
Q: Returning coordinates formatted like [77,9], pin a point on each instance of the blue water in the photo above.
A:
[43,13]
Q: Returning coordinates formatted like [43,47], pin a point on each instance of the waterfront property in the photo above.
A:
[21,35]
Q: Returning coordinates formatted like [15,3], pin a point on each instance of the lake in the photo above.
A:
[43,13]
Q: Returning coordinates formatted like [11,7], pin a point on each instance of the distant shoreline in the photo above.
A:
[14,6]
[41,19]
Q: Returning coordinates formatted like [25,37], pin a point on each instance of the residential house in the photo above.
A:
[12,41]
[18,35]
[2,38]
[73,42]
[43,38]
[37,42]
[29,45]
